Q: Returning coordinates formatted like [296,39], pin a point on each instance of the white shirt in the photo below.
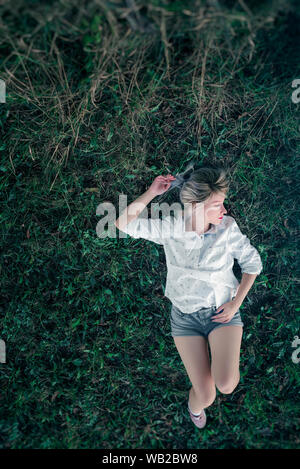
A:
[199,266]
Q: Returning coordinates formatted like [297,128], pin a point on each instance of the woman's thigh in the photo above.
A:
[194,354]
[225,345]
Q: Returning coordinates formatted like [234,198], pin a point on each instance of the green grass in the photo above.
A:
[95,109]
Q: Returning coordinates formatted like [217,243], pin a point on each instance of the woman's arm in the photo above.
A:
[160,185]
[245,285]
[134,209]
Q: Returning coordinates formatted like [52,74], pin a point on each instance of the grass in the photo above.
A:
[96,108]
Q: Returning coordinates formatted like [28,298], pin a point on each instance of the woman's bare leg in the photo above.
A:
[194,354]
[225,344]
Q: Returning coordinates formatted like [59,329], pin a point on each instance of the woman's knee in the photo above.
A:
[227,384]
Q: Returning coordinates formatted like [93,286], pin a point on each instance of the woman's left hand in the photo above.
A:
[227,311]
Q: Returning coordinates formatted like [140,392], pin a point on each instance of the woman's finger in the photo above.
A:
[218,312]
[217,318]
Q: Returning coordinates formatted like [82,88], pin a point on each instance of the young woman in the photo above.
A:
[200,245]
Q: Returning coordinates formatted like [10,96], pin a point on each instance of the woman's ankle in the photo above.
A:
[196,414]
[192,403]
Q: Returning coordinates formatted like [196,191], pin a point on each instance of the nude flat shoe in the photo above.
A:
[200,421]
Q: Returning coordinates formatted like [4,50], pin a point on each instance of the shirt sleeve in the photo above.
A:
[152,229]
[241,249]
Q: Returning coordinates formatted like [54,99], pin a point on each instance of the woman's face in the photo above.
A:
[212,208]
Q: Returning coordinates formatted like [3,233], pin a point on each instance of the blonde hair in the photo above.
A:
[203,183]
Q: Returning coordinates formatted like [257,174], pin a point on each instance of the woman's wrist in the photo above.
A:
[244,287]
[149,194]
[237,302]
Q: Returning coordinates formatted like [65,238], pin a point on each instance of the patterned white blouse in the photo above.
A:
[199,267]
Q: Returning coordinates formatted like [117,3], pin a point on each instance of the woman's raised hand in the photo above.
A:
[161,184]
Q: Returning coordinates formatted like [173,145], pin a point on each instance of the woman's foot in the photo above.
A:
[199,421]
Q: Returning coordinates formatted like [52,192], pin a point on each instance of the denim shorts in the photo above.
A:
[199,322]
